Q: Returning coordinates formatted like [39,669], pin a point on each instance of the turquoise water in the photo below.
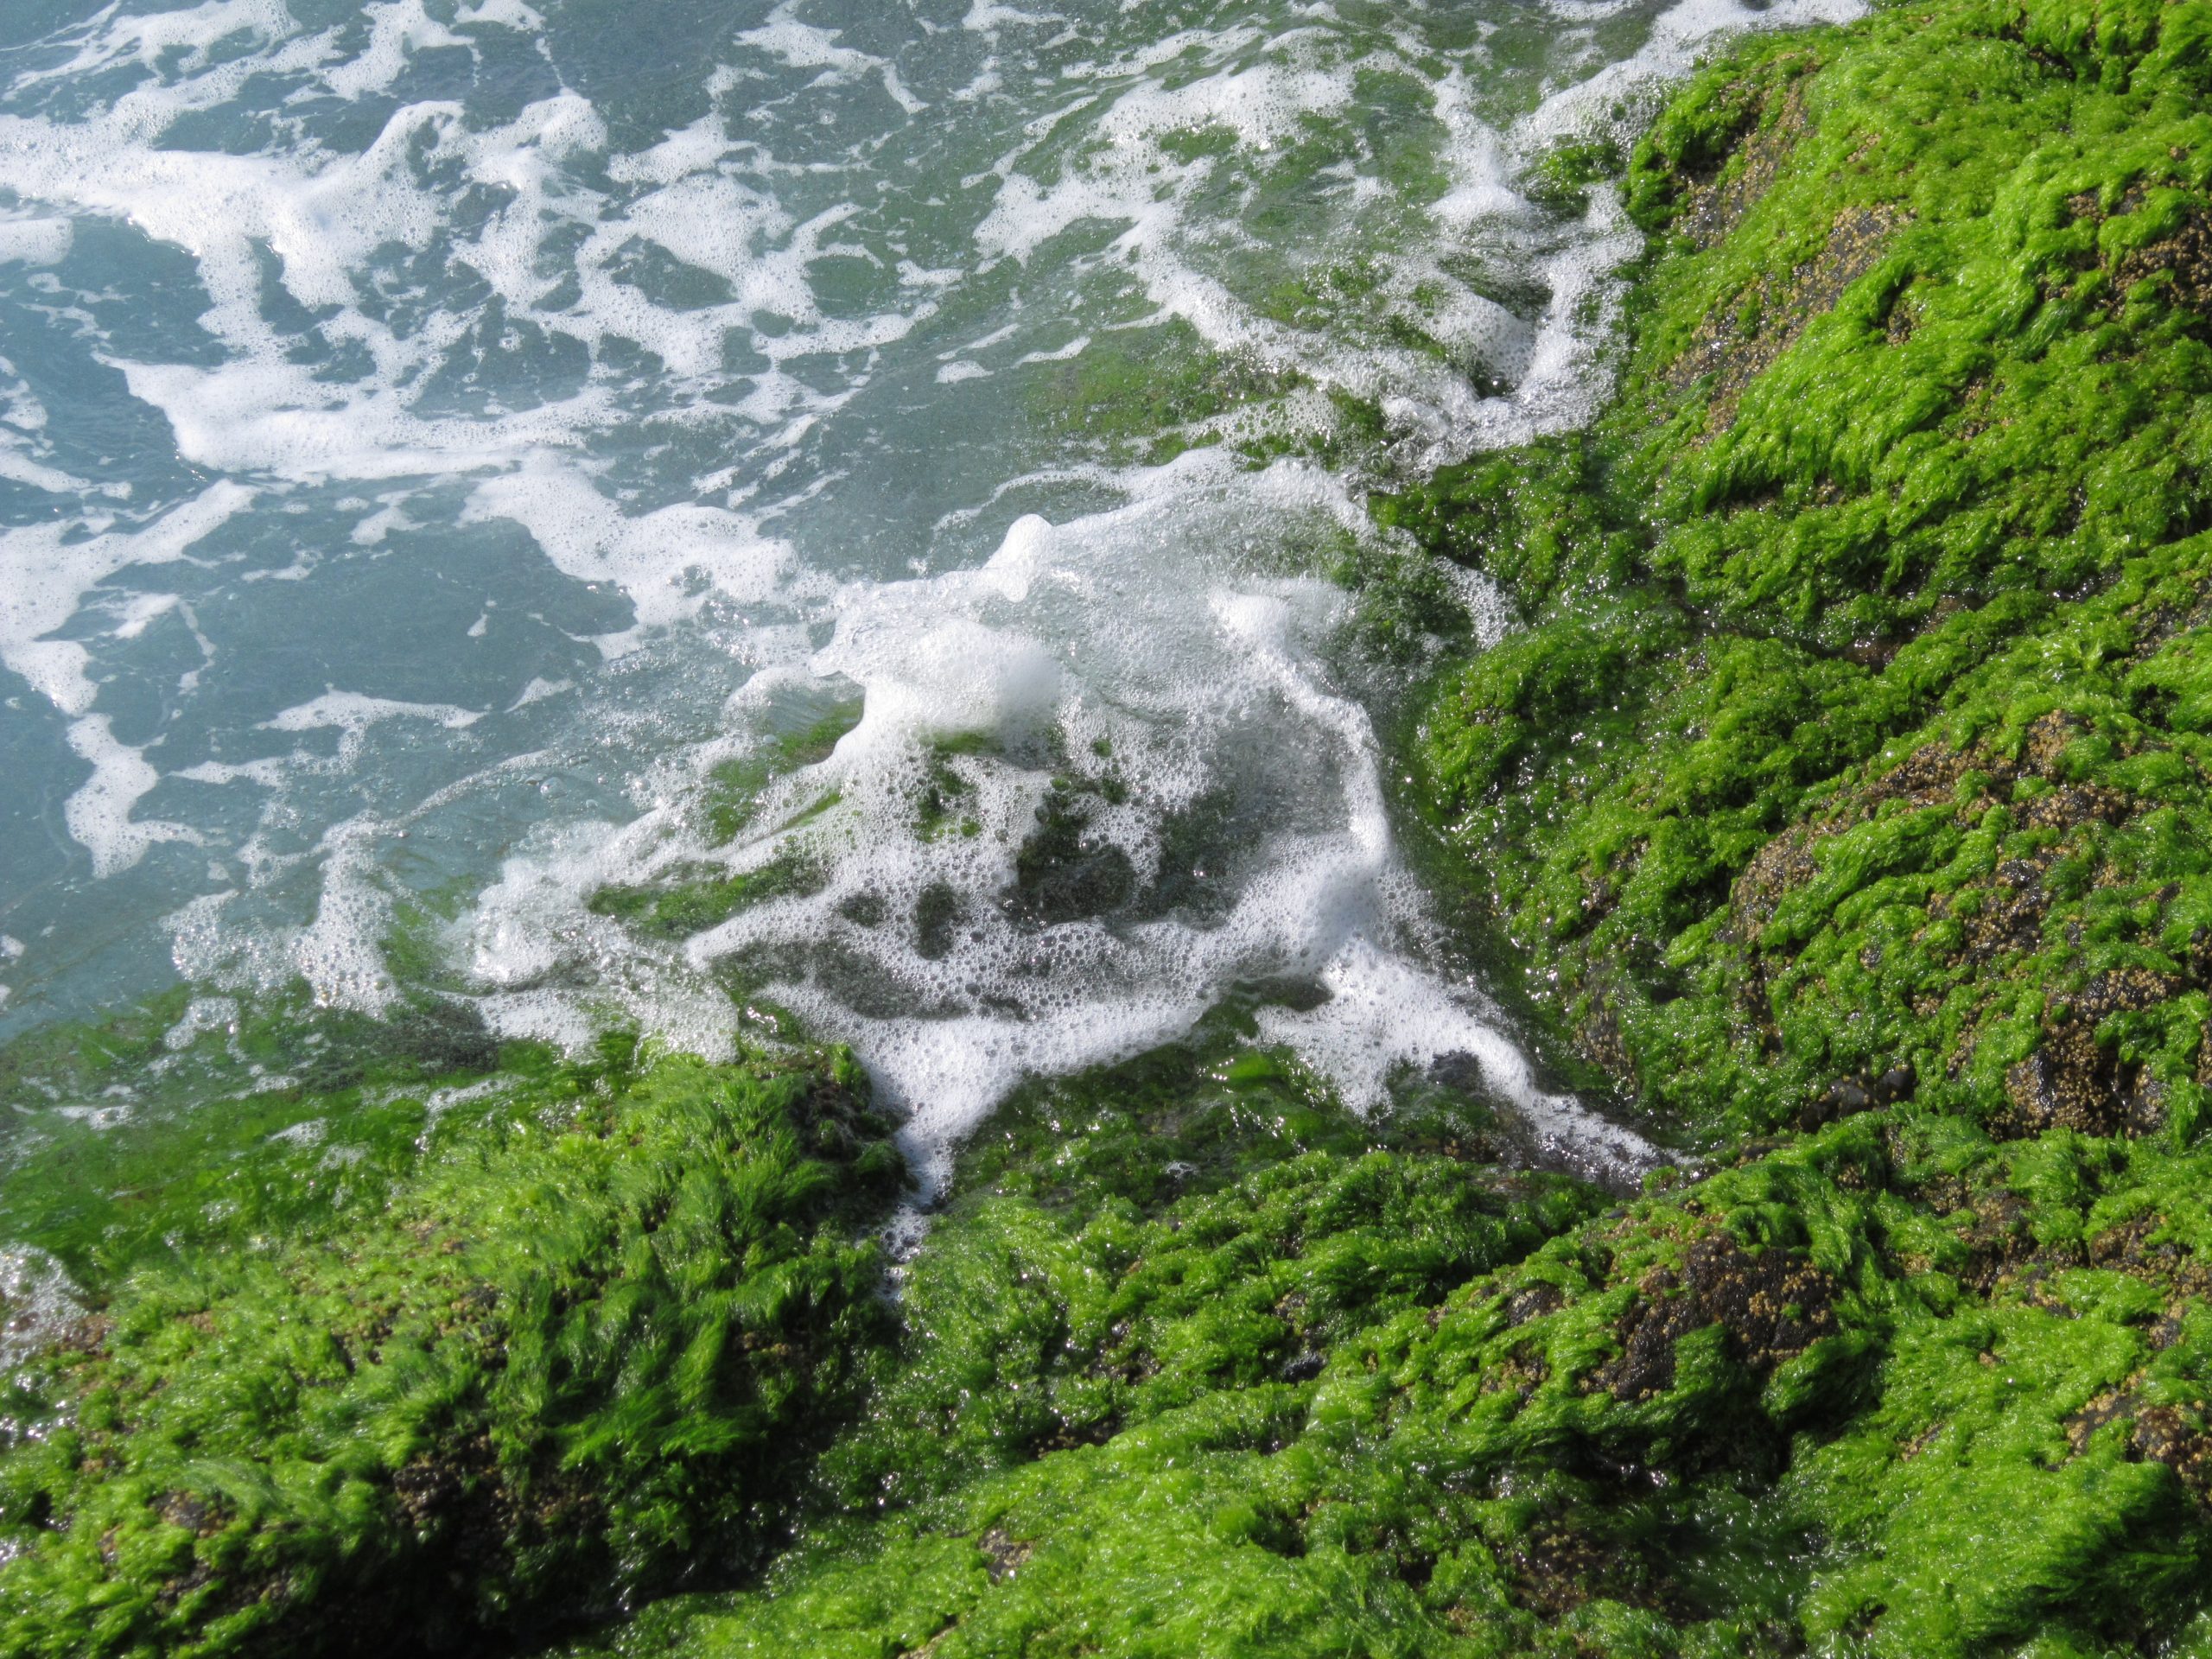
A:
[443,446]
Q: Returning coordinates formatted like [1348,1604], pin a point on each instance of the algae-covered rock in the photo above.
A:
[1846,795]
[1856,732]
[583,1351]
[1846,788]
[1897,1390]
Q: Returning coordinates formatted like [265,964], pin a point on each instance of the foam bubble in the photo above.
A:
[188,34]
[201,1015]
[36,241]
[665,561]
[397,29]
[804,46]
[17,468]
[1266,95]
[352,713]
[339,953]
[538,691]
[527,929]
[1384,1015]
[504,14]
[984,15]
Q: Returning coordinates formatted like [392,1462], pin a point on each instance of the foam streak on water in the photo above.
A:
[447,451]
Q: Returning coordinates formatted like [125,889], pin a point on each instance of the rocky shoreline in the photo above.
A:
[1843,798]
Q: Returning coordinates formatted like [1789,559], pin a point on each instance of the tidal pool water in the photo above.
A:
[635,513]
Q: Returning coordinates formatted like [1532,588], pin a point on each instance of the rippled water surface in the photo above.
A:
[471,472]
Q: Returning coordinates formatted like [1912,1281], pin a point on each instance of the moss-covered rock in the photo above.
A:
[583,1351]
[1856,732]
[1897,1390]
[1844,788]
[1845,797]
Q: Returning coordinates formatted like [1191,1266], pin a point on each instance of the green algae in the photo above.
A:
[1199,1116]
[734,787]
[1147,393]
[190,1121]
[1897,1390]
[576,1354]
[696,896]
[1878,595]
[1854,758]
[693,899]
[1843,798]
[1845,787]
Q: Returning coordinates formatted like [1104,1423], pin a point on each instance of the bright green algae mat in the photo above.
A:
[1791,1406]
[1845,797]
[584,1339]
[1861,723]
[572,1332]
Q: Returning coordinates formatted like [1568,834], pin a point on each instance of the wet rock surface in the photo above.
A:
[1846,797]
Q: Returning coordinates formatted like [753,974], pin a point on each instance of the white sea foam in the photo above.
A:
[1125,172]
[986,15]
[353,714]
[36,241]
[188,34]
[397,31]
[1125,650]
[538,691]
[339,952]
[17,468]
[667,562]
[684,362]
[98,815]
[201,1015]
[48,569]
[505,13]
[804,46]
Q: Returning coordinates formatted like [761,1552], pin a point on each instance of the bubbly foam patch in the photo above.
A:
[38,1303]
[50,568]
[36,241]
[1096,783]
[804,46]
[667,562]
[201,1015]
[1133,166]
[339,952]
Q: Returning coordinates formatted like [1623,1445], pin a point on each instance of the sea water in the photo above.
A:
[884,460]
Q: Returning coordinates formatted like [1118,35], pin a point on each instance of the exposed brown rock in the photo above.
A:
[1772,1305]
[1733,352]
[1718,204]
